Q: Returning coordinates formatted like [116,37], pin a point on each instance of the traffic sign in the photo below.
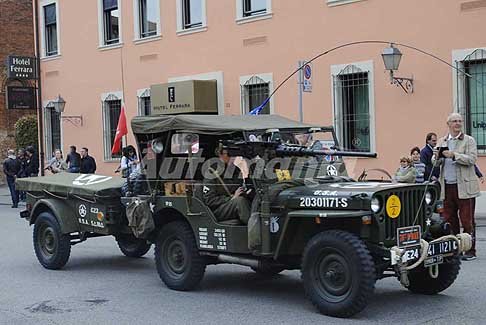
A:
[307,84]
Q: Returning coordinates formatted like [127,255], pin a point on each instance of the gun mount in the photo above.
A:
[270,150]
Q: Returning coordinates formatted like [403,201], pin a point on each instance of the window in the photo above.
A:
[254,7]
[180,143]
[111,115]
[53,131]
[250,10]
[148,19]
[50,29]
[111,22]
[254,91]
[352,96]
[471,94]
[144,102]
[192,13]
[191,16]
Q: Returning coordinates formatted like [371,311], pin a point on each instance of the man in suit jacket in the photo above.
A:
[458,180]
[426,157]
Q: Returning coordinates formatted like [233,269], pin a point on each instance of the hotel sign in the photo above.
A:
[20,97]
[21,67]
[190,97]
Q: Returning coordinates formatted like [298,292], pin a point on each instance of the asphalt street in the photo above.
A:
[101,286]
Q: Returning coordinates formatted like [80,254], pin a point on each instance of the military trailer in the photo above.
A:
[306,212]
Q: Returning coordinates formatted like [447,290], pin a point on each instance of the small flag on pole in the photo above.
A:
[257,110]
[121,130]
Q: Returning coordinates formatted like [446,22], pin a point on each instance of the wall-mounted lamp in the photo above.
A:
[58,105]
[391,58]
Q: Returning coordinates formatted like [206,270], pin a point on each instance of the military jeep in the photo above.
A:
[306,212]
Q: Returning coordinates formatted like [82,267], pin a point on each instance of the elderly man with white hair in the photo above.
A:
[459,183]
[11,168]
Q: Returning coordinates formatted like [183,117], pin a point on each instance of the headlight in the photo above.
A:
[157,146]
[428,197]
[375,205]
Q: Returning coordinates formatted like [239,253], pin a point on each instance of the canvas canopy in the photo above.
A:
[212,124]
[64,184]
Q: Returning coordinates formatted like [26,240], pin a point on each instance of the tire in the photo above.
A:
[177,258]
[338,273]
[421,282]
[133,247]
[267,270]
[51,246]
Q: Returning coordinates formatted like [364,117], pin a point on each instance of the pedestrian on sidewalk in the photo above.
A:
[426,157]
[57,164]
[11,167]
[73,160]
[406,173]
[419,165]
[88,163]
[458,180]
[32,162]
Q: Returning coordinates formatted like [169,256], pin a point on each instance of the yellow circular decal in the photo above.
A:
[393,206]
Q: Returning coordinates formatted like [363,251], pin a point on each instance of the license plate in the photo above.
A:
[435,254]
[439,259]
[408,236]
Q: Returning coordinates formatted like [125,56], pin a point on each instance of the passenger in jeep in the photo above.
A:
[223,192]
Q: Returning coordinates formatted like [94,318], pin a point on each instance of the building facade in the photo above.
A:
[16,38]
[102,54]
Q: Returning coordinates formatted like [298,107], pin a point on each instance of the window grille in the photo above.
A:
[253,93]
[50,26]
[53,131]
[352,108]
[111,21]
[254,7]
[471,101]
[145,105]
[191,13]
[148,12]
[112,110]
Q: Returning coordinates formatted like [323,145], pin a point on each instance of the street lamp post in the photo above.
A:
[391,58]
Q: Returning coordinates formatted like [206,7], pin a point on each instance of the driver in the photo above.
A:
[225,196]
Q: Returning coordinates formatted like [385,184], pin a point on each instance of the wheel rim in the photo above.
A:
[332,275]
[47,241]
[175,260]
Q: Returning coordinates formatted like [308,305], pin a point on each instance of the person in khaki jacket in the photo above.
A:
[458,180]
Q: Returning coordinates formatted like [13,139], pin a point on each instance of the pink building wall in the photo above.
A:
[297,30]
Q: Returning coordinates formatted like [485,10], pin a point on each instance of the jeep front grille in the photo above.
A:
[410,202]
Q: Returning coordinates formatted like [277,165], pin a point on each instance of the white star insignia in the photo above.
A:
[428,222]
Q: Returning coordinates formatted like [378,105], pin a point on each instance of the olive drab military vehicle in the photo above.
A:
[306,212]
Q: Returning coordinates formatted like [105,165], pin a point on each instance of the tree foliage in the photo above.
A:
[26,132]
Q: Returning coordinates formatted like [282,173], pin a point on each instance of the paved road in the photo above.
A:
[100,286]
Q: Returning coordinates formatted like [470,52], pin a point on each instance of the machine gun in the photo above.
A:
[269,150]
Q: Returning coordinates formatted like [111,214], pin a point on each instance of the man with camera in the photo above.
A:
[223,191]
[456,156]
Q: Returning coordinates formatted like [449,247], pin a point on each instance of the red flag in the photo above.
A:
[121,130]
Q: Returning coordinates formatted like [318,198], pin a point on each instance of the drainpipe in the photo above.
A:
[39,90]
